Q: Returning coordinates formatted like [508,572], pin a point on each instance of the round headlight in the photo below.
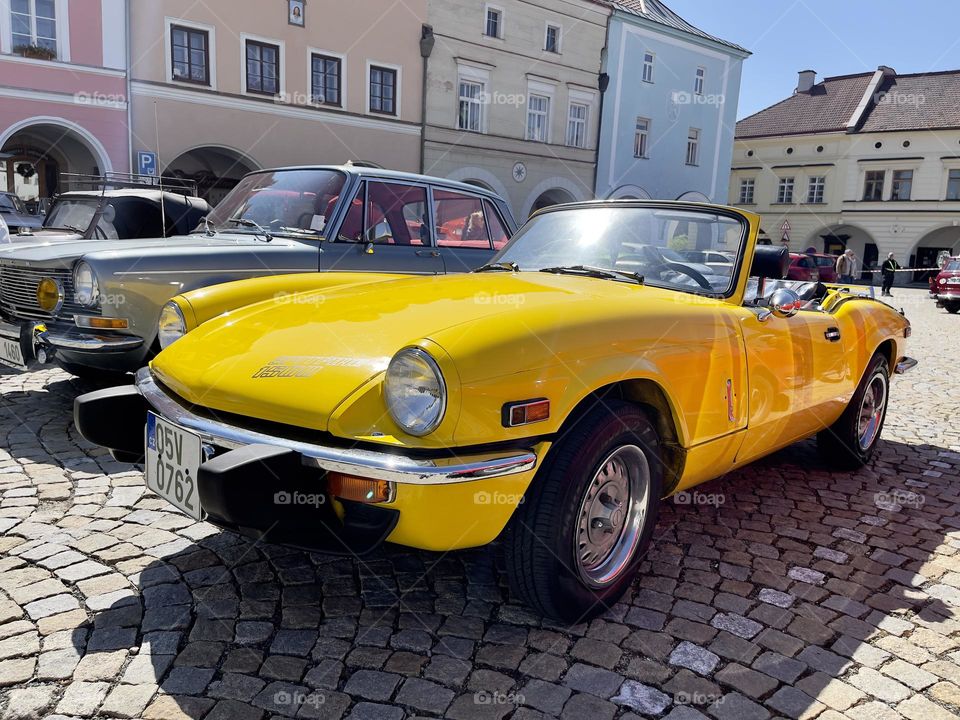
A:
[86,289]
[50,295]
[415,392]
[172,326]
[943,281]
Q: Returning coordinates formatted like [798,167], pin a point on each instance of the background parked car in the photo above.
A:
[103,299]
[947,286]
[827,265]
[803,267]
[16,215]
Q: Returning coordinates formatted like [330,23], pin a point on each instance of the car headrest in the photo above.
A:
[771,262]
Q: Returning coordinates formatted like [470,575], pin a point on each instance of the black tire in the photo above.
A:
[842,445]
[541,556]
[952,308]
[95,375]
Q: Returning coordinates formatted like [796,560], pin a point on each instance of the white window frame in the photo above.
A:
[893,183]
[311,51]
[282,85]
[398,90]
[645,134]
[946,190]
[168,23]
[571,121]
[62,19]
[486,11]
[476,74]
[699,80]
[546,34]
[651,66]
[540,89]
[786,186]
[816,186]
[694,136]
[745,198]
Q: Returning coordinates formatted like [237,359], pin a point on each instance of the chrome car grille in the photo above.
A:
[18,293]
[953,281]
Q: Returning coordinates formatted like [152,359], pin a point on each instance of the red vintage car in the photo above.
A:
[803,267]
[827,265]
[945,286]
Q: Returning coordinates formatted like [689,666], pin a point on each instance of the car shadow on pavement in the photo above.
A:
[782,589]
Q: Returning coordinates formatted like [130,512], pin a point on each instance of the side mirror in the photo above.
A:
[785,303]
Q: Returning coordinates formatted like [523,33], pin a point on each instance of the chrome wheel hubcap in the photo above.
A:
[611,515]
[871,411]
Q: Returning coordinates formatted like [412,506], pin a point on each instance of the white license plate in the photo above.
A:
[172,464]
[11,354]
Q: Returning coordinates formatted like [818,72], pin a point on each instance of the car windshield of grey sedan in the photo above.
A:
[623,243]
[291,202]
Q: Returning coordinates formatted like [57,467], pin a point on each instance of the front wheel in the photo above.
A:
[574,545]
[849,443]
[952,308]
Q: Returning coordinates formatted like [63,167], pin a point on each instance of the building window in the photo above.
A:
[326,80]
[641,143]
[577,125]
[648,59]
[747,188]
[190,54]
[34,22]
[699,80]
[493,26]
[470,116]
[815,189]
[552,43]
[873,185]
[538,118]
[693,147]
[785,190]
[953,185]
[383,90]
[902,185]
[263,68]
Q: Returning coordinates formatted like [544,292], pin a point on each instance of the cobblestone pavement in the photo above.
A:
[783,590]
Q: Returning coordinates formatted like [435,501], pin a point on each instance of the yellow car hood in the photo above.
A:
[294,359]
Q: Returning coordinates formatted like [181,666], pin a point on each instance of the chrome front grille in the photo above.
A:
[18,293]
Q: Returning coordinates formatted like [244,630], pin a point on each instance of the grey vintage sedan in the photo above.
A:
[93,306]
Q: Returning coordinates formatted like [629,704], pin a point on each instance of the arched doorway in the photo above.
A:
[929,247]
[479,184]
[216,170]
[553,196]
[694,196]
[36,155]
[629,192]
[835,239]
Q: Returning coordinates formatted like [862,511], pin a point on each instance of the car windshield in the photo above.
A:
[12,203]
[72,213]
[648,241]
[284,201]
[953,266]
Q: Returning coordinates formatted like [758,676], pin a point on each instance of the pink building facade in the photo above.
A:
[63,93]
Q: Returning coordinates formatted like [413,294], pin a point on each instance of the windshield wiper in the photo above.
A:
[71,228]
[595,272]
[310,232]
[499,267]
[246,222]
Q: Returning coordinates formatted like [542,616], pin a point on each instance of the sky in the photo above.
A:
[833,37]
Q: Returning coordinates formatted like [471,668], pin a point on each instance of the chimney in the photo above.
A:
[807,80]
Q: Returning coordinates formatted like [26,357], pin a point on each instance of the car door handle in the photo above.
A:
[832,334]
[428,253]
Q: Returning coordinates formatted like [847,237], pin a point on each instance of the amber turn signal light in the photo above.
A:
[525,412]
[101,323]
[347,487]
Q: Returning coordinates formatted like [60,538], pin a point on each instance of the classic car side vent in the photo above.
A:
[525,412]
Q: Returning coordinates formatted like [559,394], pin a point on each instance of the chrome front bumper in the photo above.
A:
[906,365]
[371,464]
[953,297]
[36,335]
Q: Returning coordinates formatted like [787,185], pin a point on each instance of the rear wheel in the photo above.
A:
[849,443]
[576,542]
[952,308]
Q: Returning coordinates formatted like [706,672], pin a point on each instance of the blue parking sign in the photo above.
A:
[147,163]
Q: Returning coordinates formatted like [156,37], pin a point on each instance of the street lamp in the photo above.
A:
[427,42]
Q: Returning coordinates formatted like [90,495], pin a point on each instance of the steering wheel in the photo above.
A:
[689,272]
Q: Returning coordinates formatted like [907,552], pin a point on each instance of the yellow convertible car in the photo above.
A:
[552,398]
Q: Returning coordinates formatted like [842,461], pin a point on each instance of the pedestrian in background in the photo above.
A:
[889,270]
[846,266]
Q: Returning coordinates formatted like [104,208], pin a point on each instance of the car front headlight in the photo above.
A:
[172,325]
[86,288]
[415,391]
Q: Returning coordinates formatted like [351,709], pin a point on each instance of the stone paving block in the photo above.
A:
[694,657]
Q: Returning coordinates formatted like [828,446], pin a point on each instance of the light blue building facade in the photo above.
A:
[670,108]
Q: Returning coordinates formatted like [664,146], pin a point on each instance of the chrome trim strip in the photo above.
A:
[90,343]
[906,365]
[942,296]
[363,463]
